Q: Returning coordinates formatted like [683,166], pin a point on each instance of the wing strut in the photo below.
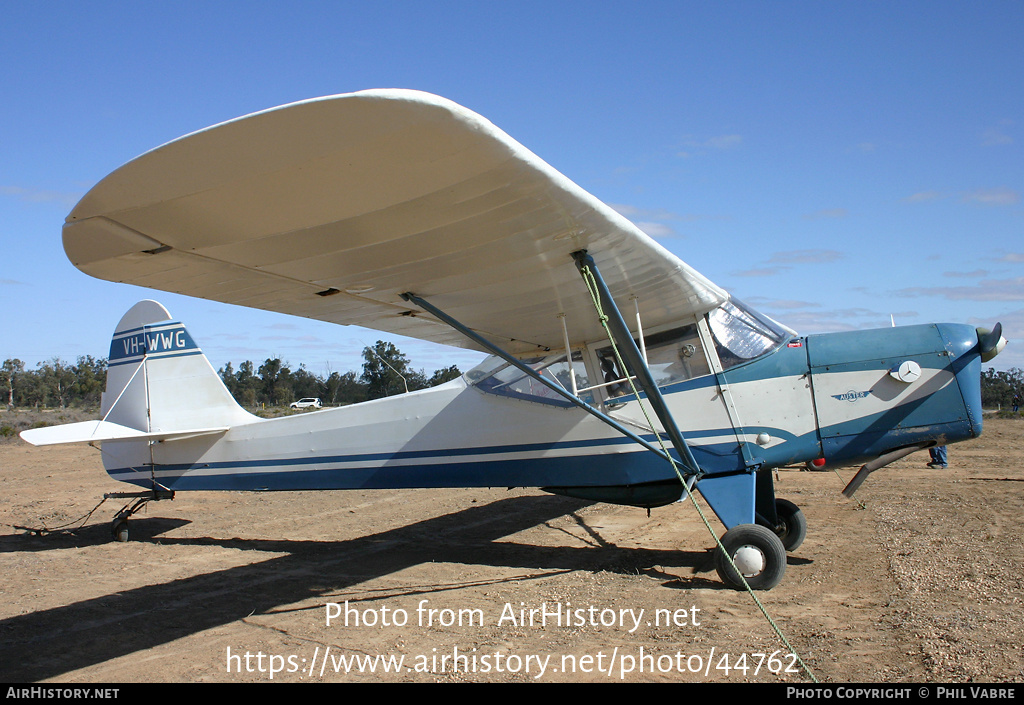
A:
[527,370]
[624,339]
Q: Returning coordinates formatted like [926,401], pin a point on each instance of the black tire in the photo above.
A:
[758,552]
[120,531]
[792,528]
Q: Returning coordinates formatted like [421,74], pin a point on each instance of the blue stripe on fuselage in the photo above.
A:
[391,470]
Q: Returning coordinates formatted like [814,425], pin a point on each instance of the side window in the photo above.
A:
[508,380]
[672,356]
[676,355]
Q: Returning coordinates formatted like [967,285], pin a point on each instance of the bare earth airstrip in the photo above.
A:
[919,579]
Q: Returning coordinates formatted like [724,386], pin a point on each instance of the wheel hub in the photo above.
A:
[749,561]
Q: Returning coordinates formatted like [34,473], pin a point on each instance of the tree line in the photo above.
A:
[54,383]
[998,389]
[385,372]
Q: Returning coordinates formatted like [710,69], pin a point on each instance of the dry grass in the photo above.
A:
[13,422]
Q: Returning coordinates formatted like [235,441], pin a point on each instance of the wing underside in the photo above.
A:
[332,208]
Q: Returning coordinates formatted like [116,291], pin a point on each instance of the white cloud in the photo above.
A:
[759,272]
[984,197]
[653,220]
[992,197]
[656,229]
[974,274]
[782,262]
[986,290]
[817,321]
[923,197]
[67,200]
[995,136]
[787,304]
[827,213]
[806,256]
[723,142]
[717,143]
[633,212]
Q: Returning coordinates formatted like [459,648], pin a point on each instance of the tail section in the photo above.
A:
[159,386]
[159,381]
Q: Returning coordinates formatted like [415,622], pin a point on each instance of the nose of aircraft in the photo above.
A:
[991,342]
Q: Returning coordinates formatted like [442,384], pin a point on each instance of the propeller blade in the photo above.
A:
[991,342]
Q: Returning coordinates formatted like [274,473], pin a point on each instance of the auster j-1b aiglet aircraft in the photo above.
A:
[617,373]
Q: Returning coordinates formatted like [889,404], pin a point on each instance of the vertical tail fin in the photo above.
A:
[159,386]
[159,381]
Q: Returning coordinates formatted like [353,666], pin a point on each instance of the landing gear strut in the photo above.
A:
[119,527]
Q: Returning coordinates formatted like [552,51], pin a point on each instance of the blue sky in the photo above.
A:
[832,164]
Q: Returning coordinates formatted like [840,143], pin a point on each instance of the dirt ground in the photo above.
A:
[919,579]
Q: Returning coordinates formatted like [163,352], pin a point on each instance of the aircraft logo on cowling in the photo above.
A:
[851,396]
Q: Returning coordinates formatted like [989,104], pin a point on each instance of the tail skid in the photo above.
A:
[160,386]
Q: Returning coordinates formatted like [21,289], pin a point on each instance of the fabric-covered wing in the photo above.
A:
[332,208]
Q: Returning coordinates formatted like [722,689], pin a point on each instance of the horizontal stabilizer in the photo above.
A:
[106,432]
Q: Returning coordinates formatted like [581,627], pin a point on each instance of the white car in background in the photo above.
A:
[307,403]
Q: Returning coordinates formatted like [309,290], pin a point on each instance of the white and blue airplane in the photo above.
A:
[617,372]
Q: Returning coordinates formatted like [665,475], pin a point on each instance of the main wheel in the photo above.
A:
[120,530]
[792,526]
[756,552]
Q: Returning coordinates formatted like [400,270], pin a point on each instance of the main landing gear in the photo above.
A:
[119,527]
[792,525]
[758,551]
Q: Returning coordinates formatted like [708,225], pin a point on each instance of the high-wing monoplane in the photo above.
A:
[617,373]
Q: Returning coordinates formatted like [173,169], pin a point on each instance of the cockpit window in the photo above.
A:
[741,335]
[672,356]
[499,377]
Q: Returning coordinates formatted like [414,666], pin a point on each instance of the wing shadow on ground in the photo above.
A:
[52,642]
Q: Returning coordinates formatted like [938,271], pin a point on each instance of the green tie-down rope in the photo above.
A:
[588,277]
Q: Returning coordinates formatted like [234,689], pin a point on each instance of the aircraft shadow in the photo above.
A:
[90,535]
[48,643]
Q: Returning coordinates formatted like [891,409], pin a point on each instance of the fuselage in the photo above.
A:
[836,396]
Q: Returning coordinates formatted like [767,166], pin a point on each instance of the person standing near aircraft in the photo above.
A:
[939,459]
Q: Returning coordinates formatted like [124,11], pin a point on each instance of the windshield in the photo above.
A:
[741,334]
